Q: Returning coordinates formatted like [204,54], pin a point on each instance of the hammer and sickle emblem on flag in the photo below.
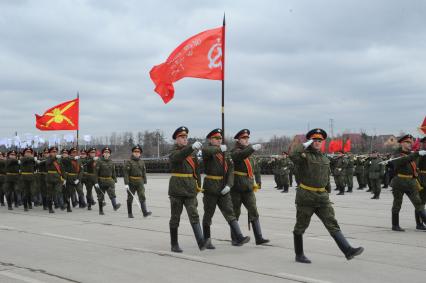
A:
[216,59]
[58,116]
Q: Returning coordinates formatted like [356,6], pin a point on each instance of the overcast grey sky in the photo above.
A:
[289,64]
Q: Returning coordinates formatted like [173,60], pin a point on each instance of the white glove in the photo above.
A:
[95,158]
[77,157]
[197,145]
[19,161]
[76,182]
[223,147]
[126,187]
[308,143]
[225,190]
[257,146]
[58,156]
[97,185]
[35,158]
[65,183]
[422,152]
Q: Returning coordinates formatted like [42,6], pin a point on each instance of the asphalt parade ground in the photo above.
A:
[83,246]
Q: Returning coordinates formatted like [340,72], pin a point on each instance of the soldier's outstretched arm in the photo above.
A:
[180,155]
[239,155]
[405,159]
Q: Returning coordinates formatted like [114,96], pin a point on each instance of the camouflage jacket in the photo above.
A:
[213,166]
[134,171]
[240,155]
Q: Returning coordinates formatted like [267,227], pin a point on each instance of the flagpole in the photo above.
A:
[223,97]
[78,97]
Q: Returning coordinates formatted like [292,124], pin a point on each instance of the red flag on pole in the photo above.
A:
[60,117]
[347,147]
[422,128]
[198,57]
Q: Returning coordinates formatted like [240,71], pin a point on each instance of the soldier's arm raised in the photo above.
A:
[209,151]
[180,155]
[241,154]
[405,159]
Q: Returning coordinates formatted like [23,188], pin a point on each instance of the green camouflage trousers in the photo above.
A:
[224,203]
[105,188]
[176,207]
[324,213]
[412,194]
[248,199]
[376,186]
[140,189]
[349,179]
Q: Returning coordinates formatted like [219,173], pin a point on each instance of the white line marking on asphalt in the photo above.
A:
[302,278]
[7,227]
[65,237]
[179,255]
[20,277]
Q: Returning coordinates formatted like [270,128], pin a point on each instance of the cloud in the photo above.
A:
[289,64]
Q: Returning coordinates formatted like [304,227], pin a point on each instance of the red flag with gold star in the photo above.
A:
[60,117]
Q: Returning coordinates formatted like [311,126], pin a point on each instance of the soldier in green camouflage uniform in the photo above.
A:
[55,179]
[184,185]
[134,181]
[375,173]
[89,176]
[285,165]
[246,182]
[422,173]
[27,182]
[42,173]
[360,172]
[11,186]
[106,180]
[406,182]
[2,177]
[339,168]
[349,172]
[312,196]
[216,190]
[73,175]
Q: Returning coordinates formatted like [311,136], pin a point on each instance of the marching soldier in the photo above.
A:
[349,172]
[183,187]
[422,173]
[28,167]
[2,177]
[55,180]
[73,174]
[42,173]
[360,172]
[375,173]
[285,165]
[216,189]
[312,196]
[246,181]
[339,165]
[406,182]
[89,175]
[12,179]
[134,181]
[106,180]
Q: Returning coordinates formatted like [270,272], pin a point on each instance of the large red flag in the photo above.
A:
[347,147]
[60,117]
[198,57]
[422,128]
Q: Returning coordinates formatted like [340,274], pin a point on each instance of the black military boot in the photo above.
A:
[375,196]
[9,201]
[115,205]
[349,190]
[69,206]
[341,191]
[202,243]
[44,200]
[206,231]
[419,221]
[395,223]
[238,239]
[145,211]
[423,215]
[345,247]
[50,204]
[129,210]
[298,249]
[81,201]
[2,199]
[174,240]
[89,203]
[101,210]
[25,204]
[258,233]
[285,189]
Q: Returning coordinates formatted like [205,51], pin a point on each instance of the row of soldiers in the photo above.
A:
[57,180]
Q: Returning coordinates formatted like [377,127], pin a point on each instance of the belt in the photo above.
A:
[422,171]
[312,189]
[105,178]
[42,173]
[405,176]
[239,173]
[27,173]
[90,174]
[214,177]
[52,172]
[12,174]
[136,177]
[72,174]
[182,175]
